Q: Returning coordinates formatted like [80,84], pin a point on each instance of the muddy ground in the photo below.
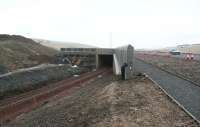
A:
[109,102]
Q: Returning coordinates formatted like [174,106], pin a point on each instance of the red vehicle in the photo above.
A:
[189,56]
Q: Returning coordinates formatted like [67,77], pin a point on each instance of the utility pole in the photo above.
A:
[110,39]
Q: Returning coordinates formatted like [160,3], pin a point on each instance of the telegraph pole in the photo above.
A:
[110,39]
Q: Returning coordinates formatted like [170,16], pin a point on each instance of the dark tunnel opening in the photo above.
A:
[105,61]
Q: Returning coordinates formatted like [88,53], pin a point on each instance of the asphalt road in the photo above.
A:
[183,91]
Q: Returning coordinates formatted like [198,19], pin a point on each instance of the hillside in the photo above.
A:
[57,44]
[21,52]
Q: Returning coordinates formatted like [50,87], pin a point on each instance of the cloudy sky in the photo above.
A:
[142,23]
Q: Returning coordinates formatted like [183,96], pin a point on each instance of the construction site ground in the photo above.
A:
[109,102]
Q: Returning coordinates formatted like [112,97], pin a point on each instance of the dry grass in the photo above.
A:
[18,52]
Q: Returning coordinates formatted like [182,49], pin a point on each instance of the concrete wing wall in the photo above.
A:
[116,65]
[123,55]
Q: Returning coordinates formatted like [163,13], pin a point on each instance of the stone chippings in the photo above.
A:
[189,69]
[108,102]
[26,80]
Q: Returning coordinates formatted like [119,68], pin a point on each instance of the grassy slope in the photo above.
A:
[19,52]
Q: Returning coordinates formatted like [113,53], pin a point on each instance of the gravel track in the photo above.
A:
[189,69]
[183,91]
[109,102]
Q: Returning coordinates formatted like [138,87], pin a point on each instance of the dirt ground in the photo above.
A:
[185,68]
[109,102]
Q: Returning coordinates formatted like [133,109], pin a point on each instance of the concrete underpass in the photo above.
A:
[105,61]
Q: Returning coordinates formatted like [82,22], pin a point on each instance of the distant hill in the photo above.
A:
[20,52]
[57,45]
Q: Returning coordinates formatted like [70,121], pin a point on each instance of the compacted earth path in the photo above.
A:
[109,102]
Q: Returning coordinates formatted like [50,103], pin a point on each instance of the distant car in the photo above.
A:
[175,53]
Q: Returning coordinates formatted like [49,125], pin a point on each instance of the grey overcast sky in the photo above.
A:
[142,23]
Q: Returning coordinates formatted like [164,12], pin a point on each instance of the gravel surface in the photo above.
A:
[183,91]
[109,102]
[33,78]
[189,69]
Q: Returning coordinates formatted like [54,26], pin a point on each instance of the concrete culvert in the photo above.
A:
[105,61]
